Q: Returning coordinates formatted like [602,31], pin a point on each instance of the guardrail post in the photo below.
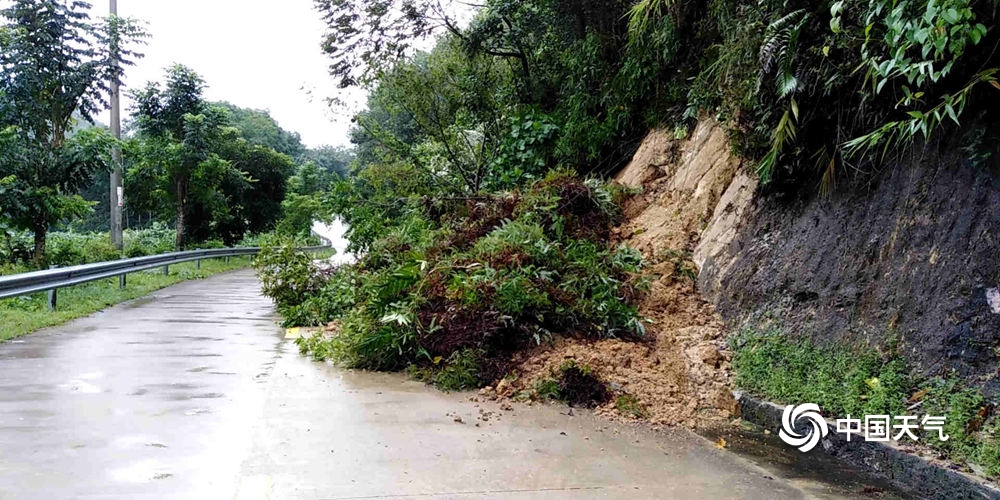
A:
[227,259]
[166,270]
[197,264]
[53,295]
[121,281]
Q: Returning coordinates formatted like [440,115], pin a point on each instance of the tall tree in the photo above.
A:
[332,161]
[180,130]
[54,62]
[197,162]
[253,198]
[365,37]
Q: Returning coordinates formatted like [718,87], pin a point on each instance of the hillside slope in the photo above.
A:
[894,259]
[910,255]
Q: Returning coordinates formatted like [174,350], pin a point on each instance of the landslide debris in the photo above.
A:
[679,374]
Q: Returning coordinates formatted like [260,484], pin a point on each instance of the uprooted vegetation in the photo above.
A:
[458,287]
[571,383]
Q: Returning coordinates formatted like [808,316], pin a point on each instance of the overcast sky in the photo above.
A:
[261,54]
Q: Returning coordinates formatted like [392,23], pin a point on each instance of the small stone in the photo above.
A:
[708,354]
[502,387]
[993,299]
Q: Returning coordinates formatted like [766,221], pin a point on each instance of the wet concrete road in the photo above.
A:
[194,394]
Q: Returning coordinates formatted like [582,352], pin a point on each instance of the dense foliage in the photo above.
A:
[471,248]
[469,281]
[55,62]
[810,91]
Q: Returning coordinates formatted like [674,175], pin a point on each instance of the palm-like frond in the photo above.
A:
[777,53]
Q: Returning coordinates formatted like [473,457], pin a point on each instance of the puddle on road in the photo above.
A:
[188,397]
[151,342]
[141,472]
[176,386]
[213,321]
[81,387]
[815,472]
[137,441]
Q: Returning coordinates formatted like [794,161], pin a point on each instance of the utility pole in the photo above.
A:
[116,198]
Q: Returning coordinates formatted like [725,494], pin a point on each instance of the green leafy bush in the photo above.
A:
[67,248]
[287,276]
[455,289]
[459,372]
[627,404]
[154,240]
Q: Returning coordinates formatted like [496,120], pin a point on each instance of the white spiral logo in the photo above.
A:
[791,416]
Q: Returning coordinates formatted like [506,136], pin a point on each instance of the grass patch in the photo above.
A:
[628,404]
[22,315]
[545,389]
[458,373]
[851,380]
[839,379]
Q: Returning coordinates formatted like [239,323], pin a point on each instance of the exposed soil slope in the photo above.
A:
[680,374]
[892,256]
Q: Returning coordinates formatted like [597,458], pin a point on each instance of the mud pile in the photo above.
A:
[679,374]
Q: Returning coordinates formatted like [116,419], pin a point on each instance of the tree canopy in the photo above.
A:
[55,66]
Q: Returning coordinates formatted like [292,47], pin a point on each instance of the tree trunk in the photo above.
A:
[181,186]
[41,231]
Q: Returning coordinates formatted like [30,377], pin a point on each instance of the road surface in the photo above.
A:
[194,393]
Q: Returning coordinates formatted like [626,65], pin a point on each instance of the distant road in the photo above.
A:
[335,233]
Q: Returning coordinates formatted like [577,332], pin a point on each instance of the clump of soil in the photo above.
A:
[680,372]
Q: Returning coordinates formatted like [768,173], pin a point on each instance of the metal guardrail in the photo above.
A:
[51,280]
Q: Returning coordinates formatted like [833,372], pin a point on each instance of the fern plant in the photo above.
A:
[777,56]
